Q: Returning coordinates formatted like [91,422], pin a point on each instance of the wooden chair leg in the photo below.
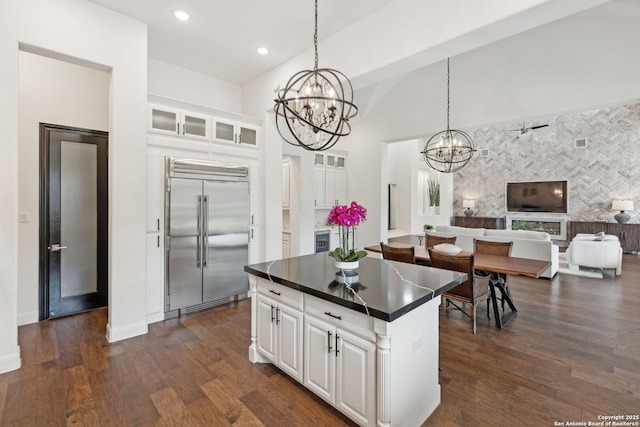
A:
[473,316]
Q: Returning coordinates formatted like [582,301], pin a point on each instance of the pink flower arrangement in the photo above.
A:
[347,218]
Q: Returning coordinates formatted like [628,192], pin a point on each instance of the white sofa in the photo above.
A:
[526,244]
[598,251]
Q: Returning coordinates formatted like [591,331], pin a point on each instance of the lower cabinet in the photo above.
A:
[340,368]
[346,357]
[279,335]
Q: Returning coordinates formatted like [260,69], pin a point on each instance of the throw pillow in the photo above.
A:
[447,248]
[599,236]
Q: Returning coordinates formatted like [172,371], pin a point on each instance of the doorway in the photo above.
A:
[73,220]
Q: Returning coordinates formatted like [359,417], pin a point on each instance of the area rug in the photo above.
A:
[563,267]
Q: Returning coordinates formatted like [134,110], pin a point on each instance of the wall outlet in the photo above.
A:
[24,217]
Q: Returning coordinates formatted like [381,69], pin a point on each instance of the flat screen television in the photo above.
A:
[538,196]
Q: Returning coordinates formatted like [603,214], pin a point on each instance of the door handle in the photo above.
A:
[198,241]
[56,247]
[205,237]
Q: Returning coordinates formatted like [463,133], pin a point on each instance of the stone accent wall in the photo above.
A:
[608,168]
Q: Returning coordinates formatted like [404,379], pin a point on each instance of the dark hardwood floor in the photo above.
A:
[571,354]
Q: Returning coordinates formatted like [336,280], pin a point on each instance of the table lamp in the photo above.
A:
[468,203]
[622,205]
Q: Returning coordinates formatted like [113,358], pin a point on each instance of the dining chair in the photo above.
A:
[474,290]
[398,254]
[494,248]
[431,241]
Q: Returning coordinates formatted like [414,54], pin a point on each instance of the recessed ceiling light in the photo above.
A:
[262,50]
[181,15]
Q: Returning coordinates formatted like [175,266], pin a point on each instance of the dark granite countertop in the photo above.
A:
[383,285]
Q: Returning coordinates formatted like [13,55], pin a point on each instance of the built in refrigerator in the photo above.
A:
[207,221]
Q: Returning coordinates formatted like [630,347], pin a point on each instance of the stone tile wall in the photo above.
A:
[608,168]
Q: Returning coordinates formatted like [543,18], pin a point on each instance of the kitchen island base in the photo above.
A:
[373,371]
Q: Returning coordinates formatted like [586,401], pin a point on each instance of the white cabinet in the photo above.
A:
[349,359]
[319,187]
[279,332]
[286,186]
[286,253]
[334,238]
[339,367]
[235,133]
[155,191]
[330,180]
[155,277]
[330,187]
[335,187]
[179,122]
[155,237]
[330,160]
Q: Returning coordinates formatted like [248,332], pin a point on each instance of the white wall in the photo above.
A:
[178,83]
[87,34]
[57,92]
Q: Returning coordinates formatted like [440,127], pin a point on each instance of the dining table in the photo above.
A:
[491,263]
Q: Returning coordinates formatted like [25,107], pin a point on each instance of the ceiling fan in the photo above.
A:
[524,129]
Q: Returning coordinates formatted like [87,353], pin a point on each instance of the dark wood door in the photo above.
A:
[73,220]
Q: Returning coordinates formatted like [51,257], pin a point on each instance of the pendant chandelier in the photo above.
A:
[314,108]
[448,150]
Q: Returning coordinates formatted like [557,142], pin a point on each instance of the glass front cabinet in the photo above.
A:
[235,133]
[179,122]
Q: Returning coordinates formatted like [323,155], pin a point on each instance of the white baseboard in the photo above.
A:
[155,317]
[10,362]
[129,331]
[27,318]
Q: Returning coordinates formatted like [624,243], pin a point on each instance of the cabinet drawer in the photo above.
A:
[280,293]
[342,317]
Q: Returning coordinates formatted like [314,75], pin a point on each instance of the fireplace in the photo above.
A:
[556,227]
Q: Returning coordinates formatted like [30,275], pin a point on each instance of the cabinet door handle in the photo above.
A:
[158,236]
[272,316]
[329,342]
[328,313]
[337,350]
[274,292]
[158,224]
[251,219]
[277,315]
[184,128]
[252,233]
[178,128]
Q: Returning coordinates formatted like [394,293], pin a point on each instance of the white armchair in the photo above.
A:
[595,250]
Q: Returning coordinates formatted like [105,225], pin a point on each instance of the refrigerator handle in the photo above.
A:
[205,234]
[198,241]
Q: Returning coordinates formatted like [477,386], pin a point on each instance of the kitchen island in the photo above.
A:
[365,341]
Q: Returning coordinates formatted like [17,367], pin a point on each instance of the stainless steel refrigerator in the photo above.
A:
[207,220]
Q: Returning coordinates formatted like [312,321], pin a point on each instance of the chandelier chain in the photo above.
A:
[314,108]
[315,37]
[448,86]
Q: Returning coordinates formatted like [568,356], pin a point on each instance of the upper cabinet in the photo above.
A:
[173,121]
[235,133]
[330,180]
[192,125]
[330,160]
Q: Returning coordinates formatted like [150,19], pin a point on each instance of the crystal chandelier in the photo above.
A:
[448,150]
[314,108]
